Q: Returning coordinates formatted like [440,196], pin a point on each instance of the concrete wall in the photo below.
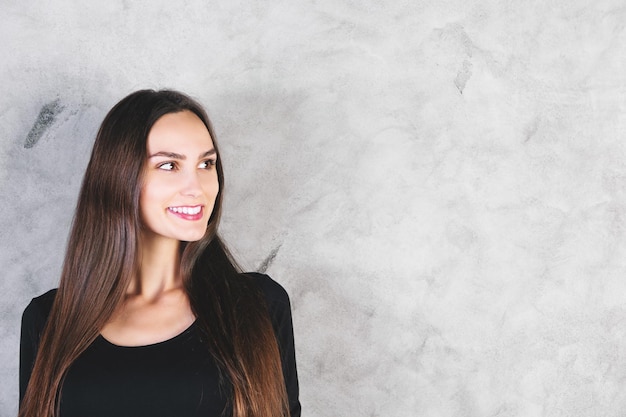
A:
[441,186]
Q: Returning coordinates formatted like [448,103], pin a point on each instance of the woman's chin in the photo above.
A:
[192,237]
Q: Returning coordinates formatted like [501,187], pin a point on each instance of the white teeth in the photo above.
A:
[186,210]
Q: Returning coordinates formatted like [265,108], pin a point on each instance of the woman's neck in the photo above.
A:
[156,307]
[158,268]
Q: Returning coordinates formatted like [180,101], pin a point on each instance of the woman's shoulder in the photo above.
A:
[39,307]
[278,306]
[272,290]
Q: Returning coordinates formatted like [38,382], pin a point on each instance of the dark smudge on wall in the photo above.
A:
[269,259]
[47,116]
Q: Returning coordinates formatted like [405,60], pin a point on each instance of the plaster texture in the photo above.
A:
[441,186]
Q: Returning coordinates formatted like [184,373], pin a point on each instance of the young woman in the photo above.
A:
[152,317]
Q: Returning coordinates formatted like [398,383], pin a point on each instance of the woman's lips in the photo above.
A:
[187,212]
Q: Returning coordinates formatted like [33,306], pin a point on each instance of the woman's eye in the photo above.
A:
[207,164]
[166,166]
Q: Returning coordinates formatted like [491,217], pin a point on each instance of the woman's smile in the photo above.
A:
[187,212]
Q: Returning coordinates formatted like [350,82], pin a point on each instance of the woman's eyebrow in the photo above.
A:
[174,155]
[168,155]
[208,153]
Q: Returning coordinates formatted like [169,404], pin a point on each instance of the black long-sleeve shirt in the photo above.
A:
[174,378]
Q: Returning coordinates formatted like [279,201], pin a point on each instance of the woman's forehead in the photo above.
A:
[179,131]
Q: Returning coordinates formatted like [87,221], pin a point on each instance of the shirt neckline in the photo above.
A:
[150,345]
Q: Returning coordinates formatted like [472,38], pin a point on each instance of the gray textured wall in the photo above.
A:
[441,185]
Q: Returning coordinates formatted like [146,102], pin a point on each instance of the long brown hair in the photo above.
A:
[102,258]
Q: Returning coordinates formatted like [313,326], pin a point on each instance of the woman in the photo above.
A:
[152,317]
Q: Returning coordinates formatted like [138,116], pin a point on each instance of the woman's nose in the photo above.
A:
[192,186]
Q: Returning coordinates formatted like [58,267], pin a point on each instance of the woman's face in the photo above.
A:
[180,182]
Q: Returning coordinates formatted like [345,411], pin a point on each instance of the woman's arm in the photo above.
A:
[280,314]
[284,331]
[33,321]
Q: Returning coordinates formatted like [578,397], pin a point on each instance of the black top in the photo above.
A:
[174,378]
